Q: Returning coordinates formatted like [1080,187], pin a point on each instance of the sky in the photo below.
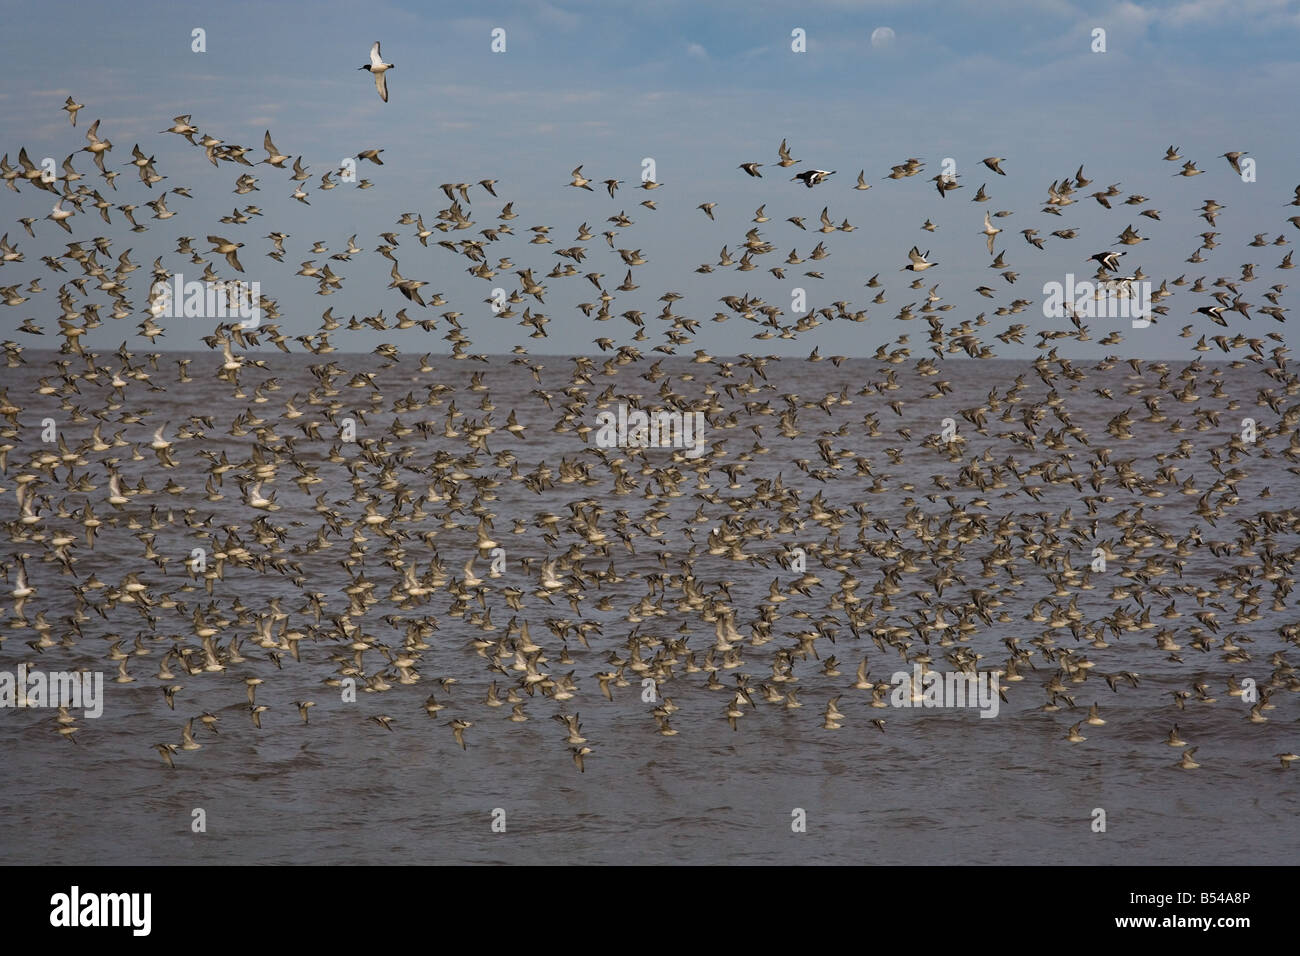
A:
[698,88]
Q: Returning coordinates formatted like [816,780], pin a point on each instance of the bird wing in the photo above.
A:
[381,82]
[375,58]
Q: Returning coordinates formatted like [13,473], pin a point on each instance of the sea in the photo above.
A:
[931,785]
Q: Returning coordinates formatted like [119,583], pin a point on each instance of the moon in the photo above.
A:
[882,37]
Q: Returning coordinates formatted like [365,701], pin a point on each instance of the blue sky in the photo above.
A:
[699,88]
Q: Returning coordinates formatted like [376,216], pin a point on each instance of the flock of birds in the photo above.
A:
[930,585]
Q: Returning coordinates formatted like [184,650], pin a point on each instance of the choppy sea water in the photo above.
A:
[937,786]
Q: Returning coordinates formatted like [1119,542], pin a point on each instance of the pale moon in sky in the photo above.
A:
[882,37]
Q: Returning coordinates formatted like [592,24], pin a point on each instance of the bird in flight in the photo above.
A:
[918,263]
[378,68]
[812,177]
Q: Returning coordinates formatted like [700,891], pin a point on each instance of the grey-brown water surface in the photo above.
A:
[937,786]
